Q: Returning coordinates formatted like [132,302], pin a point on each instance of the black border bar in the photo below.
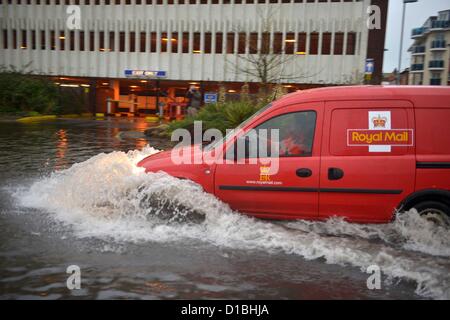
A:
[433,165]
[324,190]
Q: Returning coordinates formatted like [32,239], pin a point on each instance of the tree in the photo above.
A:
[266,63]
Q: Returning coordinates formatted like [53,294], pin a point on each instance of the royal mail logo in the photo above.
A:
[264,173]
[380,136]
[379,121]
[392,137]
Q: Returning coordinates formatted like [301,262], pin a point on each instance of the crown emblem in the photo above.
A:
[264,170]
[264,173]
[379,122]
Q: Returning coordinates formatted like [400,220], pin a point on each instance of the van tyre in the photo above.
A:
[434,211]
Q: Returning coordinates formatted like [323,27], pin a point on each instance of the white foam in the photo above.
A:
[105,197]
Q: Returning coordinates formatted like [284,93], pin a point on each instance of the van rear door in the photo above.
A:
[368,159]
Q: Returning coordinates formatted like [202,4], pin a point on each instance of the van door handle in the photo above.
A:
[304,172]
[335,173]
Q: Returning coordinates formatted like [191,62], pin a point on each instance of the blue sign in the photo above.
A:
[210,97]
[370,66]
[145,74]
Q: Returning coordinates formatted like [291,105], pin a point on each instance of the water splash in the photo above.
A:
[108,197]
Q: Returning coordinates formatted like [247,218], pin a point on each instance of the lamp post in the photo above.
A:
[401,39]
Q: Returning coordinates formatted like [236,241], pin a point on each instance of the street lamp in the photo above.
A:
[401,39]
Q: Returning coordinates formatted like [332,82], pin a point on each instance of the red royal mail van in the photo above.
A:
[365,153]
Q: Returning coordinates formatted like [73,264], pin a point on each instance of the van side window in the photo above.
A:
[296,132]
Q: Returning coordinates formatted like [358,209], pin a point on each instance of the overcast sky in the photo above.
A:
[416,14]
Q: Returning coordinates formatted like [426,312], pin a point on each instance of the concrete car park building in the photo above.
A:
[430,54]
[150,51]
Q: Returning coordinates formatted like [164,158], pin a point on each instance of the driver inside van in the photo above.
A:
[295,138]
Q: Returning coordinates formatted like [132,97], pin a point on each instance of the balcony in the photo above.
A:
[435,82]
[417,67]
[417,32]
[440,24]
[418,50]
[438,45]
[436,64]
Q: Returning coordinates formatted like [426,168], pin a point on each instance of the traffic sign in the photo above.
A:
[210,97]
[370,66]
[145,74]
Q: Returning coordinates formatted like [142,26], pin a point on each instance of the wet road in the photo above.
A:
[95,215]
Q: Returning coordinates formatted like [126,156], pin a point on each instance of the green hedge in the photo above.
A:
[218,116]
[27,94]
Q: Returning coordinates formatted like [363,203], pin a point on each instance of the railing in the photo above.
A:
[440,24]
[417,31]
[438,44]
[418,49]
[435,82]
[439,64]
[417,67]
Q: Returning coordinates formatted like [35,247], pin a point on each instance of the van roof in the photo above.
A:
[413,93]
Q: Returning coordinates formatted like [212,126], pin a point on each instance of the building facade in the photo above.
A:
[430,53]
[190,42]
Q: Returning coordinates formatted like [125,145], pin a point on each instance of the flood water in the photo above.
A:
[70,194]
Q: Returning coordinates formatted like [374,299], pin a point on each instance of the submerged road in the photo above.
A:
[71,195]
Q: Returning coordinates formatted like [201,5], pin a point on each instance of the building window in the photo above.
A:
[164,41]
[33,39]
[102,41]
[122,41]
[230,42]
[277,42]
[81,36]
[301,43]
[72,40]
[23,44]
[207,42]
[351,43]
[62,40]
[91,40]
[174,42]
[185,42]
[132,41]
[142,41]
[42,39]
[314,43]
[339,43]
[289,43]
[153,41]
[219,42]
[326,43]
[52,40]
[14,39]
[253,43]
[5,39]
[196,48]
[111,41]
[242,42]
[265,43]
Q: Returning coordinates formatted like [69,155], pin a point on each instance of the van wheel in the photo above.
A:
[437,212]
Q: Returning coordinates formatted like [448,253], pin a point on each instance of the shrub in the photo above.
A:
[218,116]
[22,93]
